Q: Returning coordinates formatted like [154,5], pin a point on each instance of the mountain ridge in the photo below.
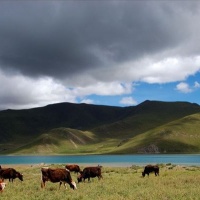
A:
[111,128]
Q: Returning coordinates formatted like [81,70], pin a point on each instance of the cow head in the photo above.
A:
[79,178]
[20,176]
[143,174]
[2,185]
[73,185]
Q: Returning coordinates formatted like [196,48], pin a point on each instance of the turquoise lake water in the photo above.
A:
[114,160]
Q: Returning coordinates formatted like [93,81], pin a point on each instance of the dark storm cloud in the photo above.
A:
[60,38]
[37,40]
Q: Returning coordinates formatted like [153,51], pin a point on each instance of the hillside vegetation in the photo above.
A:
[65,128]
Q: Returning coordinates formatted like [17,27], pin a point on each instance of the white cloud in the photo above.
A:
[18,91]
[22,92]
[104,88]
[183,87]
[196,84]
[87,101]
[157,69]
[128,101]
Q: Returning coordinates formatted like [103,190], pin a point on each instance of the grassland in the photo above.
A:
[118,183]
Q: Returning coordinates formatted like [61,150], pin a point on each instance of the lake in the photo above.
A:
[109,160]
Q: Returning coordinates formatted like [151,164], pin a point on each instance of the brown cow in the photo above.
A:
[57,175]
[90,172]
[151,168]
[2,185]
[10,173]
[73,168]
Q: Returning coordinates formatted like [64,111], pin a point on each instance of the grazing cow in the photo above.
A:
[73,168]
[2,185]
[10,173]
[57,175]
[150,168]
[90,172]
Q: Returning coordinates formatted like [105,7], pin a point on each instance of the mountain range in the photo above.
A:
[67,128]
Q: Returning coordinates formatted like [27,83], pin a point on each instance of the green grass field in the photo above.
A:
[118,183]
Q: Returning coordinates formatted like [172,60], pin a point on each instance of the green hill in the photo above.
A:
[178,136]
[65,128]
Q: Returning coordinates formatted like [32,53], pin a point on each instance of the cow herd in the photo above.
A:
[62,175]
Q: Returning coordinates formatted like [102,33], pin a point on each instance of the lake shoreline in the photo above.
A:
[63,164]
[82,165]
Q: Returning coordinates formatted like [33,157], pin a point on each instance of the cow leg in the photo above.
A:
[42,184]
[100,177]
[65,185]
[60,184]
[43,181]
[156,173]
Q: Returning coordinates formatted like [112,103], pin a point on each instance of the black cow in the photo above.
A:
[90,172]
[151,168]
[57,175]
[10,173]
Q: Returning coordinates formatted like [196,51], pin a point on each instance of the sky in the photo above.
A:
[116,53]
